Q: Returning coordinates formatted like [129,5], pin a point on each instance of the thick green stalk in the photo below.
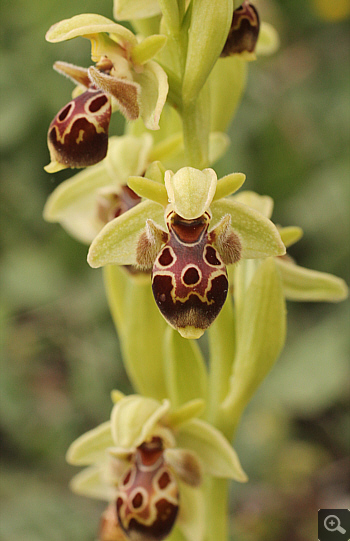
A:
[216,503]
[196,127]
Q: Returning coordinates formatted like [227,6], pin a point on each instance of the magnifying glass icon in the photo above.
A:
[332,524]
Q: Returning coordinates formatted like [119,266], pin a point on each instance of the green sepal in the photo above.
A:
[134,418]
[116,243]
[91,446]
[184,367]
[90,482]
[290,235]
[302,284]
[258,235]
[190,191]
[228,185]
[156,171]
[147,49]
[216,454]
[87,24]
[260,338]
[144,187]
[210,23]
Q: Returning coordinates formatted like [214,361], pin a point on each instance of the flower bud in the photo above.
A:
[244,31]
[78,135]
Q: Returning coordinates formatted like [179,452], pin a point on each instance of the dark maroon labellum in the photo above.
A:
[189,278]
[78,135]
[244,31]
[148,497]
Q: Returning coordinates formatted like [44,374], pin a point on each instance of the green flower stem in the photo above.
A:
[222,349]
[196,126]
[216,502]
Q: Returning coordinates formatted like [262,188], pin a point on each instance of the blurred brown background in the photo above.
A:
[60,355]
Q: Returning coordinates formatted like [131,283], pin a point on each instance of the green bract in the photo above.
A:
[116,243]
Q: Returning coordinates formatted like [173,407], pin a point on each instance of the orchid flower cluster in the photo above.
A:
[184,253]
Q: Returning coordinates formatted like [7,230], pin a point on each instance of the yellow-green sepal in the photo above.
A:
[91,482]
[217,456]
[258,235]
[116,243]
[302,284]
[91,446]
[88,24]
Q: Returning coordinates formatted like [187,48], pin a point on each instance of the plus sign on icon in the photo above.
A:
[333,525]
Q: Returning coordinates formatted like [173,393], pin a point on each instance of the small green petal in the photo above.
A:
[268,40]
[116,395]
[261,336]
[124,10]
[85,25]
[144,187]
[218,457]
[145,50]
[154,90]
[191,191]
[184,368]
[228,185]
[258,235]
[156,172]
[134,417]
[90,482]
[116,243]
[184,413]
[261,203]
[290,235]
[302,284]
[91,446]
[74,203]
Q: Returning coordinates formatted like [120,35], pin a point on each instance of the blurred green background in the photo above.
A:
[60,356]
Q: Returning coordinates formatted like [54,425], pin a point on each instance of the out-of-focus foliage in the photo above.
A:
[60,355]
